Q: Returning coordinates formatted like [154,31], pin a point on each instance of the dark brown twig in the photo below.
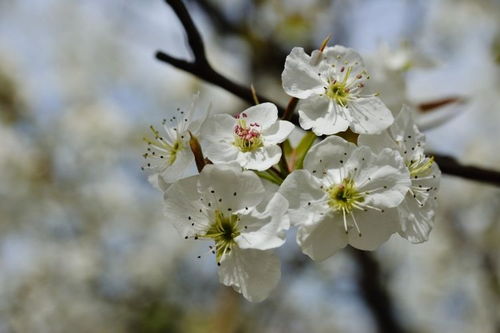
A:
[450,166]
[200,66]
[375,294]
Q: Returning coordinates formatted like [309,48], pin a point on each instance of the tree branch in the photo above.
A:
[200,66]
[449,165]
[375,294]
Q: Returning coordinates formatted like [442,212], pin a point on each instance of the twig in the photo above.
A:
[200,66]
[375,294]
[449,165]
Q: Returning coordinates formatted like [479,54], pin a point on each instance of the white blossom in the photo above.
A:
[169,156]
[418,209]
[345,195]
[329,84]
[225,205]
[250,139]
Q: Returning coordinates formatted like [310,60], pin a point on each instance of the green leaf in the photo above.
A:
[269,176]
[302,149]
[287,148]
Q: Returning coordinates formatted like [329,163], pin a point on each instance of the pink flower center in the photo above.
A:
[247,137]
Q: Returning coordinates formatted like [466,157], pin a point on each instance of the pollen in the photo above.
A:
[418,167]
[223,231]
[338,92]
[344,196]
[163,150]
[247,137]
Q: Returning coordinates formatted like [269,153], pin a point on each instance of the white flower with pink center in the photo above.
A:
[251,138]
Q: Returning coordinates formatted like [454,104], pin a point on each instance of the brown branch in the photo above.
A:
[200,66]
[375,293]
[449,165]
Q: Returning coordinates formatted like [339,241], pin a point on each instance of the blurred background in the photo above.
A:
[83,243]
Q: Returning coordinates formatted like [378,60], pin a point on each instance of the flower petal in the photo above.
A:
[182,206]
[260,159]
[219,127]
[345,56]
[265,230]
[253,273]
[183,164]
[264,114]
[321,239]
[330,153]
[278,132]
[369,115]
[230,189]
[415,221]
[302,190]
[375,227]
[300,77]
[384,176]
[322,115]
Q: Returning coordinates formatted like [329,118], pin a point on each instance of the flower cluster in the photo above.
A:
[252,186]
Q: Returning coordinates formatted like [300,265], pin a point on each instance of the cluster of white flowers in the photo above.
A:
[252,186]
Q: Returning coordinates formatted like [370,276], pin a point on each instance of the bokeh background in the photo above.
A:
[83,243]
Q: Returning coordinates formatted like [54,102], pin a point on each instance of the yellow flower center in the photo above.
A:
[223,231]
[162,145]
[344,196]
[338,90]
[417,167]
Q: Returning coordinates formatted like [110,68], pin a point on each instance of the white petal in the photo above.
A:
[278,132]
[385,176]
[322,115]
[265,230]
[344,56]
[229,189]
[261,159]
[416,221]
[182,206]
[322,239]
[300,78]
[253,273]
[157,181]
[369,115]
[217,137]
[402,135]
[376,228]
[221,152]
[196,116]
[197,123]
[378,142]
[300,189]
[264,115]
[219,127]
[183,165]
[331,153]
